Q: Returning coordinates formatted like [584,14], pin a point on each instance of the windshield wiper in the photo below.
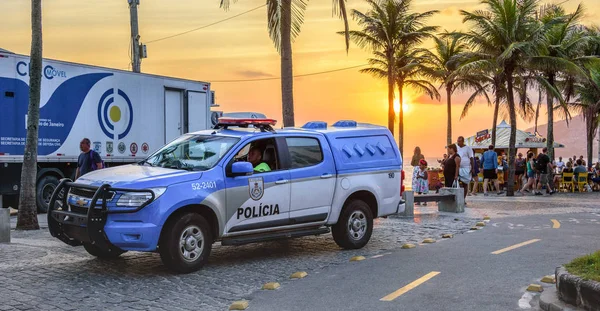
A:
[146,162]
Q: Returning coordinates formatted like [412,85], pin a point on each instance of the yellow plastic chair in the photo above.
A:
[581,182]
[566,181]
[480,186]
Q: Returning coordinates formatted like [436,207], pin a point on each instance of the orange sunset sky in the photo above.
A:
[97,32]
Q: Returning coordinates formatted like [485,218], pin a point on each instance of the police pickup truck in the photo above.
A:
[238,183]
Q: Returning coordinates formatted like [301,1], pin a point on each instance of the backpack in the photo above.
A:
[93,164]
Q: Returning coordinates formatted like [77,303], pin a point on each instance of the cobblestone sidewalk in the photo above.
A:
[38,272]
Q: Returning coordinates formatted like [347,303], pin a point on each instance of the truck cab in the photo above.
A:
[238,183]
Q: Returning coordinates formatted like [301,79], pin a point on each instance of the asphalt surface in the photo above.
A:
[470,276]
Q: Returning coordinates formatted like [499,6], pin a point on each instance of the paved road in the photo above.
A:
[38,272]
[470,276]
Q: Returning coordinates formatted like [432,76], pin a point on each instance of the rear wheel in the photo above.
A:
[355,225]
[100,253]
[45,188]
[185,243]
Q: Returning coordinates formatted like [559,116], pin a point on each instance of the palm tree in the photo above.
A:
[443,67]
[27,217]
[561,51]
[284,18]
[509,27]
[588,103]
[386,27]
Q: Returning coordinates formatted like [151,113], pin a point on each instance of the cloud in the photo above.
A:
[254,74]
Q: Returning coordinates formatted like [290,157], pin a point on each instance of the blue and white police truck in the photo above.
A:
[204,187]
[126,116]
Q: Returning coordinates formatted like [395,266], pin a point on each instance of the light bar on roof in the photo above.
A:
[246,121]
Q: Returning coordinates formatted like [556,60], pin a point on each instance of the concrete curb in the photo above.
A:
[549,302]
[577,291]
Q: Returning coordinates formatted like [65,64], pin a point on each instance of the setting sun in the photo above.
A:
[406,107]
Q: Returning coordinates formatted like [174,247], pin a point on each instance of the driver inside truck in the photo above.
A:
[255,157]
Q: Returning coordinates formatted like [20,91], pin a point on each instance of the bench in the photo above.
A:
[449,200]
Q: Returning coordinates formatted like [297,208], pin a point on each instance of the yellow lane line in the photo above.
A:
[510,248]
[555,224]
[410,286]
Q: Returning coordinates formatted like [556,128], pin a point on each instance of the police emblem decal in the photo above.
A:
[109,147]
[256,188]
[121,147]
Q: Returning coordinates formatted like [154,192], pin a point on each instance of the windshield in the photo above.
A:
[192,152]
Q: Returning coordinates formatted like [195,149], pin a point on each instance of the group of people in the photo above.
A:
[461,168]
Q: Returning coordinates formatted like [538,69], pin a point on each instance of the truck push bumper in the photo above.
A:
[84,221]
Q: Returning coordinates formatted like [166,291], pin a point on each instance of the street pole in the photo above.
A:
[135,36]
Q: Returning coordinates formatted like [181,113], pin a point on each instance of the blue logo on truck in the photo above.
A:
[49,71]
[57,116]
[115,120]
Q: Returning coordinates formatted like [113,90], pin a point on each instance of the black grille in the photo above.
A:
[87,193]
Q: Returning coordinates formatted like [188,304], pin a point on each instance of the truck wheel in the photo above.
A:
[103,254]
[185,243]
[355,225]
[44,190]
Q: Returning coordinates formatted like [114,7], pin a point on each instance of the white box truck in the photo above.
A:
[126,116]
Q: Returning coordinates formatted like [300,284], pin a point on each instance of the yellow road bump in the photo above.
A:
[357,258]
[549,279]
[239,305]
[271,286]
[408,246]
[410,286]
[500,251]
[535,288]
[555,224]
[447,236]
[480,224]
[429,241]
[298,275]
[474,228]
[486,217]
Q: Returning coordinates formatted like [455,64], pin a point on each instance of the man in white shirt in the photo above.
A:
[560,165]
[466,163]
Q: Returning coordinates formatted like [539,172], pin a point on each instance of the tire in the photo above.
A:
[44,189]
[95,251]
[194,232]
[355,225]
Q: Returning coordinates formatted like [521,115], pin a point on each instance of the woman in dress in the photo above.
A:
[421,186]
[417,156]
[451,166]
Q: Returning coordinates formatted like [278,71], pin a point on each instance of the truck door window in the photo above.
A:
[267,150]
[304,151]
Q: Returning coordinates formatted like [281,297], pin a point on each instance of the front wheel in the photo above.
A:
[186,243]
[103,254]
[44,190]
[355,225]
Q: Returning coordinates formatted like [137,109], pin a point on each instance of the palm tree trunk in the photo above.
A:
[590,131]
[400,119]
[537,111]
[550,135]
[27,217]
[495,122]
[510,189]
[391,79]
[287,78]
[449,108]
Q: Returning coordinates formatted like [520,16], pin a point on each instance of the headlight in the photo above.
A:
[135,199]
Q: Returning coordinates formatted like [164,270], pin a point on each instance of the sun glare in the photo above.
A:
[406,107]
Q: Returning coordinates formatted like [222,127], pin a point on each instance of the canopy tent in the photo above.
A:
[524,140]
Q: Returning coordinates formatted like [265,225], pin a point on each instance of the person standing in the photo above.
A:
[451,167]
[421,186]
[466,163]
[417,157]
[477,165]
[88,160]
[520,166]
[490,169]
[542,169]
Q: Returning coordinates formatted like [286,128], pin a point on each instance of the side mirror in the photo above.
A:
[242,169]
